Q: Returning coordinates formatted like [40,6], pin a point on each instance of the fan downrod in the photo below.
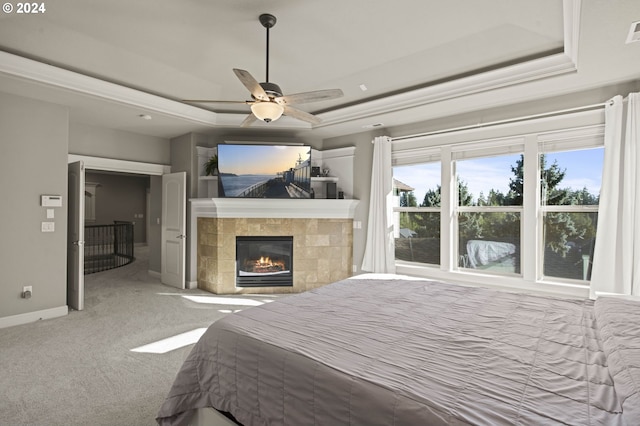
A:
[267,20]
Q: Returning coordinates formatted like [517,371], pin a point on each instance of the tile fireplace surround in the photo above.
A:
[322,232]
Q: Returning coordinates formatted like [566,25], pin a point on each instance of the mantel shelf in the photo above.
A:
[273,208]
[208,177]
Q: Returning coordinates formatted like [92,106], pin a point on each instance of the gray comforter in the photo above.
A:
[411,352]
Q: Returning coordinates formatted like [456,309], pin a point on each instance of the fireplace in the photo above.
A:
[264,261]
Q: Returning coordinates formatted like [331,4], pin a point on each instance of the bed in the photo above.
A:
[389,350]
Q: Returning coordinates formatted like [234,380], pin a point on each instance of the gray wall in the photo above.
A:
[121,197]
[361,183]
[549,104]
[117,144]
[35,140]
[33,161]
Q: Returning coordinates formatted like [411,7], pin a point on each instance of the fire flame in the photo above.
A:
[265,262]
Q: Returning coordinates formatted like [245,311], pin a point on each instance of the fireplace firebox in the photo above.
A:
[264,261]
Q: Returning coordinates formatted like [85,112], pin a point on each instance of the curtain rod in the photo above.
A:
[506,121]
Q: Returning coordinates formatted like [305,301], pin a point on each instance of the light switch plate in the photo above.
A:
[48,226]
[51,213]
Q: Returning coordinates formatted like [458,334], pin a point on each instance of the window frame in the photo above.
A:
[416,157]
[564,141]
[576,131]
[484,149]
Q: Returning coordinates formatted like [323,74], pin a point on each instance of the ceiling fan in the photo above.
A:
[268,102]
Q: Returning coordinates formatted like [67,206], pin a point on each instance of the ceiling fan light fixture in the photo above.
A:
[267,111]
[268,102]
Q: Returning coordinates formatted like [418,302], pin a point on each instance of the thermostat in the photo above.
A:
[51,200]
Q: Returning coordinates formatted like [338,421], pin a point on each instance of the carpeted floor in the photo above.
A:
[80,370]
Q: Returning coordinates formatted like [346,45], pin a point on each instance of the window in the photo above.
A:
[417,212]
[570,191]
[489,208]
[518,209]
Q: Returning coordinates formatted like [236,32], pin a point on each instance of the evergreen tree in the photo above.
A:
[560,228]
[550,177]
[432,198]
[429,223]
[408,199]
[465,198]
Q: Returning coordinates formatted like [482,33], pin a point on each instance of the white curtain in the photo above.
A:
[616,259]
[379,254]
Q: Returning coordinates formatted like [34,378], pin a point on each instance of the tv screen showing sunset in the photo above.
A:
[264,171]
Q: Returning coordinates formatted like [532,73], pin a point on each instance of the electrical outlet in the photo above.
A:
[27,292]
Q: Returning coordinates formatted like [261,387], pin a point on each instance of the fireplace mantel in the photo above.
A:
[273,208]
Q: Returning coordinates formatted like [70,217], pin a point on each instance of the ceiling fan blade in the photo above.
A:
[252,84]
[301,115]
[209,101]
[248,121]
[301,98]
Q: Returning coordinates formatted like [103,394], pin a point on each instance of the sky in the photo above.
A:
[259,159]
[583,169]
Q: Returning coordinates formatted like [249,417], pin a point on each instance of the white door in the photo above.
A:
[174,206]
[75,237]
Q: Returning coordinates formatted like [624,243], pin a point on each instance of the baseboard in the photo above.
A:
[154,274]
[34,316]
[191,284]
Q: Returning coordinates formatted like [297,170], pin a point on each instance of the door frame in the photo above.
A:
[122,166]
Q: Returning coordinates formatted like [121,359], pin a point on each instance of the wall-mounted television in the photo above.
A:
[264,171]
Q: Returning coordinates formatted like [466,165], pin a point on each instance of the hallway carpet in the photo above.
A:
[80,369]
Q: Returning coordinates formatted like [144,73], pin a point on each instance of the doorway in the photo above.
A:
[148,215]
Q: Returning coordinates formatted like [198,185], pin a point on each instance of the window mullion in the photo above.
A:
[448,223]
[531,224]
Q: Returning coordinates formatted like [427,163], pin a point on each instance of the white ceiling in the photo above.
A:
[419,59]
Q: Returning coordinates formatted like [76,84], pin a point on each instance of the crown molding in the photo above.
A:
[508,76]
[39,72]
